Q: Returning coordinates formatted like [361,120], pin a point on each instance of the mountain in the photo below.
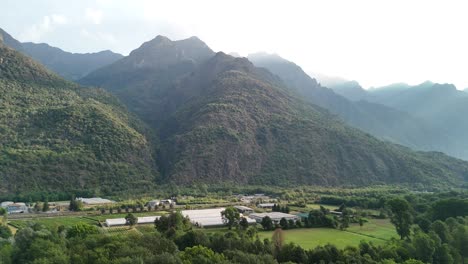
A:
[144,77]
[57,136]
[379,120]
[71,66]
[440,105]
[351,90]
[221,119]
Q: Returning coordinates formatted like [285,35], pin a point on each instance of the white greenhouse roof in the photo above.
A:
[205,217]
[275,216]
[116,222]
[141,220]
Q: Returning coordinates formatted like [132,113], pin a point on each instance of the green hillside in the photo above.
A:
[55,135]
[243,128]
[224,120]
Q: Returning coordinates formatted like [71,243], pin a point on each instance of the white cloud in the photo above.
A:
[93,15]
[374,42]
[48,24]
[59,19]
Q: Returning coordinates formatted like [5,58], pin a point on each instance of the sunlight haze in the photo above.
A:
[373,42]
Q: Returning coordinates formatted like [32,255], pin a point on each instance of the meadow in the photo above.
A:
[376,231]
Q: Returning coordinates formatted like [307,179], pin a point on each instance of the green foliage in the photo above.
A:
[231,216]
[131,219]
[452,207]
[401,216]
[57,136]
[201,255]
[267,223]
[220,119]
[171,223]
[75,205]
[5,231]
[81,230]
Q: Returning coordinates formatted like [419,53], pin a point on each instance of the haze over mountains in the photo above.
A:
[211,118]
[441,107]
[71,66]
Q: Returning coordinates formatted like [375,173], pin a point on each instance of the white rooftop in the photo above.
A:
[273,215]
[122,221]
[95,200]
[205,217]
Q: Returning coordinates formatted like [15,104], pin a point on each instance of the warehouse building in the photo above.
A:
[274,216]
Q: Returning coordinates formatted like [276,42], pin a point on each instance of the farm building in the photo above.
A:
[275,216]
[207,217]
[14,208]
[94,201]
[244,209]
[167,202]
[153,203]
[122,221]
[266,205]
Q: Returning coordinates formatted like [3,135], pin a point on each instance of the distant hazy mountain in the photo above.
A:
[221,119]
[379,120]
[441,106]
[351,90]
[71,66]
[58,136]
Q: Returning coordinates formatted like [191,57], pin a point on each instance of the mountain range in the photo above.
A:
[71,66]
[441,107]
[205,117]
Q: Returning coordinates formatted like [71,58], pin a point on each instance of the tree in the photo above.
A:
[174,221]
[82,230]
[75,205]
[201,255]
[5,232]
[37,207]
[401,216]
[230,216]
[278,240]
[424,247]
[266,223]
[345,218]
[284,223]
[45,206]
[362,221]
[243,223]
[131,219]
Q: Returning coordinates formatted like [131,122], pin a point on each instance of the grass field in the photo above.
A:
[55,221]
[73,220]
[376,231]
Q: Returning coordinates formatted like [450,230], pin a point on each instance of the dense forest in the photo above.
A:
[56,135]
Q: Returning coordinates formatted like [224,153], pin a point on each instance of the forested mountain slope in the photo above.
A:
[377,119]
[57,136]
[221,119]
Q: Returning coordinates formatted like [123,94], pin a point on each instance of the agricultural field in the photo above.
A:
[376,231]
[52,222]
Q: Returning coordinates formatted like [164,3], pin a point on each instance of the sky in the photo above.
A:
[376,42]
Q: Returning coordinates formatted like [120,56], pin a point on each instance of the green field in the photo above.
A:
[73,220]
[376,231]
[55,221]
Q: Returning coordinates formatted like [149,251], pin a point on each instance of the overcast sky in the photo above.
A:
[373,42]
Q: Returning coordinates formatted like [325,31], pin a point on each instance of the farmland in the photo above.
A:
[376,231]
